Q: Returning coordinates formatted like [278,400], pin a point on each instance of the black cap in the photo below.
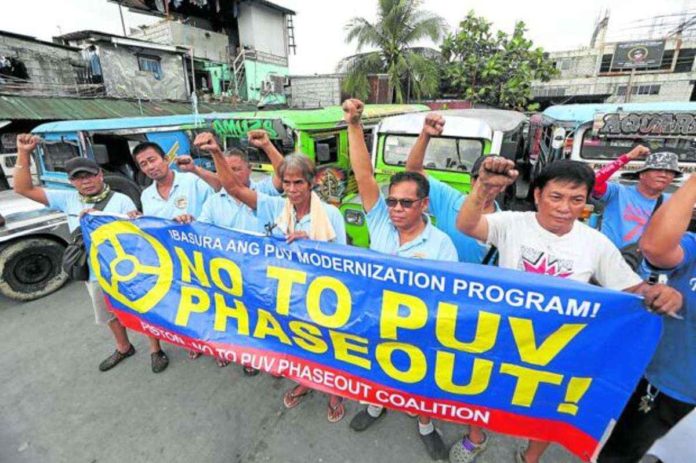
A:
[76,165]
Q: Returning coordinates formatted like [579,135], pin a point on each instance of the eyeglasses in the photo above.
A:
[405,203]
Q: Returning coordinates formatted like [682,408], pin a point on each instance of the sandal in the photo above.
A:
[336,412]
[292,400]
[221,363]
[193,355]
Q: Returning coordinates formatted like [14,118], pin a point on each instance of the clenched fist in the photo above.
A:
[26,142]
[258,138]
[206,141]
[433,125]
[352,111]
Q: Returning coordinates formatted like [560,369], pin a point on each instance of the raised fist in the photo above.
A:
[185,163]
[258,138]
[497,173]
[352,111]
[433,125]
[27,142]
[638,152]
[206,141]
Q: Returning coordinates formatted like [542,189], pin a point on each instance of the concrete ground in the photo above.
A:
[55,406]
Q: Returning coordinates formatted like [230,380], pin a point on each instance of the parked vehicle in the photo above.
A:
[468,134]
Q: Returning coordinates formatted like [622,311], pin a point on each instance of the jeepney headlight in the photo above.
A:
[355,217]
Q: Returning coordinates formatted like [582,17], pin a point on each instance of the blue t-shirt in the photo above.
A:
[224,210]
[187,196]
[626,212]
[69,202]
[445,203]
[431,244]
[269,208]
[673,368]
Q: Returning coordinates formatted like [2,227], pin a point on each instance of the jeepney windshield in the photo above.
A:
[597,148]
[449,154]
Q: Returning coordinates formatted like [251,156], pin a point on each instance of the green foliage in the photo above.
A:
[400,24]
[493,69]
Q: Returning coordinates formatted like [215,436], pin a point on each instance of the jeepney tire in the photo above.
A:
[31,268]
[126,186]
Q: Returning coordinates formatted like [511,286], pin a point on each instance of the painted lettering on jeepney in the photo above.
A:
[238,128]
[646,124]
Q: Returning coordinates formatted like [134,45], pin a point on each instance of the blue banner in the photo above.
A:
[524,354]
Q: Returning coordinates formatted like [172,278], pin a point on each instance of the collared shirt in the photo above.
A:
[431,244]
[269,208]
[223,210]
[70,202]
[673,367]
[626,212]
[187,196]
[445,203]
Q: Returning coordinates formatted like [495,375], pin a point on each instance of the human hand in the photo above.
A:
[134,214]
[497,173]
[433,125]
[638,152]
[259,138]
[185,163]
[206,141]
[298,235]
[184,219]
[352,111]
[26,142]
[662,299]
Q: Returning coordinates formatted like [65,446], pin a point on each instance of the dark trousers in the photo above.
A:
[635,432]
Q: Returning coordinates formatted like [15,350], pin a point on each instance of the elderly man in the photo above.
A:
[398,225]
[667,393]
[301,215]
[627,208]
[90,193]
[530,241]
[170,195]
[445,201]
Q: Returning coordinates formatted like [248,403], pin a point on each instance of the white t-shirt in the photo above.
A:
[579,255]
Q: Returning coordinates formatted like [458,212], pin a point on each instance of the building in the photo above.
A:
[655,67]
[130,68]
[240,48]
[319,90]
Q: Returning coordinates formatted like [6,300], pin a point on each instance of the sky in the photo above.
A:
[320,24]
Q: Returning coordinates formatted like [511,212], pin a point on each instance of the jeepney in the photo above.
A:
[468,134]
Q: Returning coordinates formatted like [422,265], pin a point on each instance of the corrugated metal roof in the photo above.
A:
[64,108]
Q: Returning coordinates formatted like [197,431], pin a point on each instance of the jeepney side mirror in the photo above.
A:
[559,135]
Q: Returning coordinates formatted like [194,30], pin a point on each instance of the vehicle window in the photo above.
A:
[611,148]
[326,148]
[451,154]
[56,154]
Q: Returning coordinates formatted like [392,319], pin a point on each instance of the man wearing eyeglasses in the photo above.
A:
[398,225]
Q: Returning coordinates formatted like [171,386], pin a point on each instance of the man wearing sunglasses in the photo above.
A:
[88,180]
[398,225]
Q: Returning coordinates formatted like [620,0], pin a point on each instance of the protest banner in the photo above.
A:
[523,354]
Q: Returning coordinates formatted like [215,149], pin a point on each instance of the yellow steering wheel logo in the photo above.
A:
[110,233]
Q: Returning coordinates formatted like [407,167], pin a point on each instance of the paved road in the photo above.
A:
[55,406]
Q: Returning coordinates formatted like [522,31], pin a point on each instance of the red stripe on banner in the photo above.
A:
[333,381]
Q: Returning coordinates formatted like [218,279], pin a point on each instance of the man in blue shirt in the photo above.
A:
[170,195]
[627,208]
[398,225]
[668,391]
[88,180]
[445,201]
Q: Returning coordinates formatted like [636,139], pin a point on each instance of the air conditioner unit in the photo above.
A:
[268,86]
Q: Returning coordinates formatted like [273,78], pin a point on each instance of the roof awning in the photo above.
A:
[14,107]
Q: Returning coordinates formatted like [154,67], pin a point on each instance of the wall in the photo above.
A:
[50,68]
[263,29]
[123,79]
[206,44]
[315,91]
[256,73]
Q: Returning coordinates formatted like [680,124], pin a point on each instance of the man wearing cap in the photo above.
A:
[170,195]
[90,190]
[445,201]
[627,208]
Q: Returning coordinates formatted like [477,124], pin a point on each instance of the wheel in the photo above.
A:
[30,268]
[124,185]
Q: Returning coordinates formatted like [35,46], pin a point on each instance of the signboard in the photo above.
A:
[635,124]
[639,55]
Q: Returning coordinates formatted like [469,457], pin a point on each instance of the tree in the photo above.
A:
[494,69]
[411,70]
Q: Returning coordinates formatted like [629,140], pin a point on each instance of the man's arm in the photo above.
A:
[603,175]
[495,175]
[206,142]
[660,241]
[26,144]
[185,164]
[259,139]
[659,298]
[360,160]
[432,127]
